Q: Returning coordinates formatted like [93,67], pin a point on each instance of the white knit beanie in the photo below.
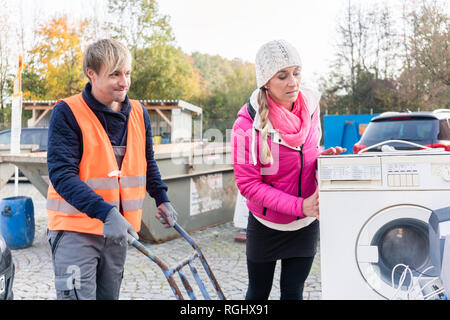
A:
[272,57]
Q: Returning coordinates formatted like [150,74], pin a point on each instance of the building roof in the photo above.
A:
[183,105]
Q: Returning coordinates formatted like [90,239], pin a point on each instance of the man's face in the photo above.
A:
[110,87]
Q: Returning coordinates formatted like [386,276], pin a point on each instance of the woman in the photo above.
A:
[275,143]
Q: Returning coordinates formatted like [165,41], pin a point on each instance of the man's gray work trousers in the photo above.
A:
[86,266]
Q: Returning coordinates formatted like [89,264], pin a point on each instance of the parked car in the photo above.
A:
[430,129]
[6,271]
[37,136]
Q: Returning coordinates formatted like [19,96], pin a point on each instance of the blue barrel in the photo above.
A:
[17,221]
[344,130]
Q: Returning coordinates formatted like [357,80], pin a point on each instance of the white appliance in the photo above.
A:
[374,211]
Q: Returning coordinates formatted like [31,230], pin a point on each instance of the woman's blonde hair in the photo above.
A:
[108,53]
[263,110]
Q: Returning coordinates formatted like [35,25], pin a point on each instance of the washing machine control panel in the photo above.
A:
[427,172]
[403,174]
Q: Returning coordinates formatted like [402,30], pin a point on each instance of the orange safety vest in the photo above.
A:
[99,170]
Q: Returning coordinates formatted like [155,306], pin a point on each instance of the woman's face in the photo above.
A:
[284,86]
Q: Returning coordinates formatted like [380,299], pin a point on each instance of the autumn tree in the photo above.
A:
[56,64]
[227,86]
[213,68]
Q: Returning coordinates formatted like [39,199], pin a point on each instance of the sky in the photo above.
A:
[237,28]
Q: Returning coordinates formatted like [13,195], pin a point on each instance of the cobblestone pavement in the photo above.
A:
[143,279]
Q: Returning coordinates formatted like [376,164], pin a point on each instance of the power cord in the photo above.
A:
[436,292]
[402,280]
[411,288]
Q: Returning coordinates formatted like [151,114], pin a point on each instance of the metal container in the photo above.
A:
[201,184]
[199,176]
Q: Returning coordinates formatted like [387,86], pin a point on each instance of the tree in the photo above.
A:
[228,85]
[213,69]
[425,79]
[56,65]
[164,72]
[139,25]
[367,63]
[160,70]
[352,48]
[385,43]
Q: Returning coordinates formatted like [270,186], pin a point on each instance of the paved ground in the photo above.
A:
[142,278]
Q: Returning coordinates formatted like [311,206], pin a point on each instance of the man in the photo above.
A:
[100,163]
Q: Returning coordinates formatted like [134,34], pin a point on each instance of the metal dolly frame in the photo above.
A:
[170,271]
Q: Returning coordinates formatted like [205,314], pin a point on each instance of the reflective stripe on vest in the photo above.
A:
[64,206]
[132,205]
[130,182]
[99,170]
[103,183]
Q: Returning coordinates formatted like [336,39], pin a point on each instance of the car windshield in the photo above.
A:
[421,131]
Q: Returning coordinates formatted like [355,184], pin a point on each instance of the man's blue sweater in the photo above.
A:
[65,149]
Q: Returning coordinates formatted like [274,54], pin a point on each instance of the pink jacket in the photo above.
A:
[275,192]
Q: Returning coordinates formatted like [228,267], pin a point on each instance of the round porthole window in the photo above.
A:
[393,236]
[402,241]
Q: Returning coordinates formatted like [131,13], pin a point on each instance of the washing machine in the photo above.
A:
[374,211]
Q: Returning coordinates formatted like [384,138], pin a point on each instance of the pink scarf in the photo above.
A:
[293,125]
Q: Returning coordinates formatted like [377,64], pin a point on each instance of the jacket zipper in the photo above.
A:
[265,209]
[300,176]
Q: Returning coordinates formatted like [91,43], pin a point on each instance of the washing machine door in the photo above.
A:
[394,236]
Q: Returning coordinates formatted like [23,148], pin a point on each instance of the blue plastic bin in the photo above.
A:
[17,221]
[344,130]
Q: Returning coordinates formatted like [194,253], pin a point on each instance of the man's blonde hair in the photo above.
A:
[108,53]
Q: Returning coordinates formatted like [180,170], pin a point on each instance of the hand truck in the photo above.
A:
[169,272]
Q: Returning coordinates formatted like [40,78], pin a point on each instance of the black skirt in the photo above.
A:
[265,244]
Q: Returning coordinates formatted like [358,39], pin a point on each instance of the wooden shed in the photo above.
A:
[171,119]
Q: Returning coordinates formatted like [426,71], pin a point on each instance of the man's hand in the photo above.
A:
[117,228]
[166,214]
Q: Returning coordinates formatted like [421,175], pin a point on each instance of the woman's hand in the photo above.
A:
[333,151]
[311,205]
